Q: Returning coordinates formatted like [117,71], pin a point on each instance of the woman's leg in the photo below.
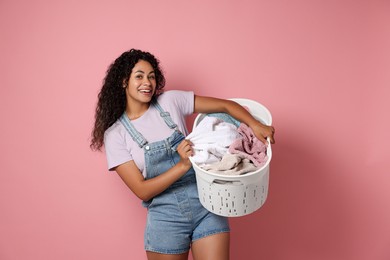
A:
[214,247]
[157,256]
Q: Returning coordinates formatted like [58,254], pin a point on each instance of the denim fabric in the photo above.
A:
[175,217]
[226,118]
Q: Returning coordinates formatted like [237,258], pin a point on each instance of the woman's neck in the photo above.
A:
[136,110]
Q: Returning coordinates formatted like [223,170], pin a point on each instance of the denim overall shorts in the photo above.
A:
[175,217]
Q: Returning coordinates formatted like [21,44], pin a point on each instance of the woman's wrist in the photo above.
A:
[184,166]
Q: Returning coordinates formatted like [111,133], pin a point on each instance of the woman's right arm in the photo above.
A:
[148,189]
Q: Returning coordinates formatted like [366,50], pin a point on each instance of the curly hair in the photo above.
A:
[112,97]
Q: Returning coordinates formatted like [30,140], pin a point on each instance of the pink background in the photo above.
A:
[321,67]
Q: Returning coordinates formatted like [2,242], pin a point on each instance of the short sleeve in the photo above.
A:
[184,101]
[115,147]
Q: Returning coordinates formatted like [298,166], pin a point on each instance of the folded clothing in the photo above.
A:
[231,164]
[249,146]
[211,139]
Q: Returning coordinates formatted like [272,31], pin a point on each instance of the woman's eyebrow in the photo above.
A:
[140,71]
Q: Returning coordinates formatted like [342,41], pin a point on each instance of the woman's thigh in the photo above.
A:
[214,247]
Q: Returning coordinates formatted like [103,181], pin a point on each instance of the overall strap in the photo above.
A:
[165,115]
[137,136]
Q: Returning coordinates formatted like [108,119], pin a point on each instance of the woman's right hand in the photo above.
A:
[185,151]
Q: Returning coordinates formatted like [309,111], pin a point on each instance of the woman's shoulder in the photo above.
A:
[180,100]
[116,131]
[176,96]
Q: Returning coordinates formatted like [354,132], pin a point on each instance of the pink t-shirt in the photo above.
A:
[120,147]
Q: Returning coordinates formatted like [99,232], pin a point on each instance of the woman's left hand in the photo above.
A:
[262,132]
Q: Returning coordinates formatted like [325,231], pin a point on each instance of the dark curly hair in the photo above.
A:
[112,97]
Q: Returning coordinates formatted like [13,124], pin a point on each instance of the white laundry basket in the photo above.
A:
[234,196]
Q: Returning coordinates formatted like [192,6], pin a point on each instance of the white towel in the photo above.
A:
[211,139]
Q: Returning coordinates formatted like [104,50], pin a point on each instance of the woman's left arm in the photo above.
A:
[207,105]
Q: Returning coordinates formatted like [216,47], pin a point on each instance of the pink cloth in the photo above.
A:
[249,146]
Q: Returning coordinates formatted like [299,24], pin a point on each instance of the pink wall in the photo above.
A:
[321,67]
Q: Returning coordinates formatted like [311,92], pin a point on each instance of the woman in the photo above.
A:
[143,131]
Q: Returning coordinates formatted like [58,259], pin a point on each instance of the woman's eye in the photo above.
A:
[152,77]
[138,76]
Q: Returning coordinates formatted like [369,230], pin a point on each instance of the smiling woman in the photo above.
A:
[112,98]
[140,89]
[154,164]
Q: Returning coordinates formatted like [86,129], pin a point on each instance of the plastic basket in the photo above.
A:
[235,196]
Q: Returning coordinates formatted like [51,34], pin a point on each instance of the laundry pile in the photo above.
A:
[223,145]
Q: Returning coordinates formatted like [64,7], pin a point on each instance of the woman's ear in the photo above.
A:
[125,83]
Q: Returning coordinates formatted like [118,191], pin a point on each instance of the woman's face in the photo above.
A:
[142,83]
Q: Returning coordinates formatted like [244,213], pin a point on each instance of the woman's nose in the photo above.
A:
[146,81]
